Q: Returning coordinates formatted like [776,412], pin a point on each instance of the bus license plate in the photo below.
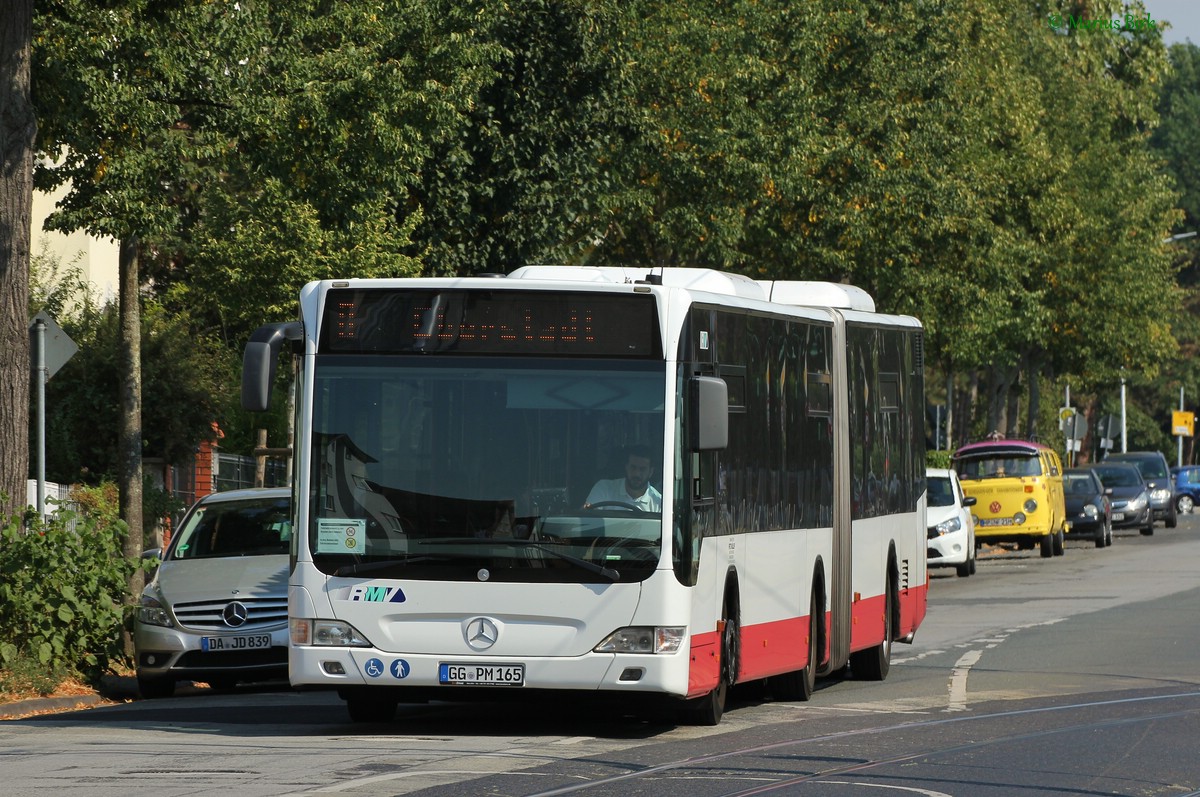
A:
[210,644]
[482,674]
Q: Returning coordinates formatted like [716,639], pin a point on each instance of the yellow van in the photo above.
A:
[1018,489]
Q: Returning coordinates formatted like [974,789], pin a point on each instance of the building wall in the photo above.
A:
[97,258]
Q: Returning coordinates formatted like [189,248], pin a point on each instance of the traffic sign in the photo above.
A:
[1183,424]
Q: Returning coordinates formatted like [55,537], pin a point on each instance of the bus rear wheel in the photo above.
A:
[1047,546]
[874,663]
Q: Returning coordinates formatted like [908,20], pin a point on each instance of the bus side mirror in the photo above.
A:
[259,361]
[708,410]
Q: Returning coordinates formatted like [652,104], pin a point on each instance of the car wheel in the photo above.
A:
[156,688]
[1108,538]
[1172,518]
[1184,504]
[1101,536]
[966,568]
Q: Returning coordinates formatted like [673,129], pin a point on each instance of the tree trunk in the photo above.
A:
[130,434]
[18,126]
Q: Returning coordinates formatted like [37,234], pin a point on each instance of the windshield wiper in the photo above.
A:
[591,567]
[369,567]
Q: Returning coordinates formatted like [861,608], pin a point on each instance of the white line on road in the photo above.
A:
[958,680]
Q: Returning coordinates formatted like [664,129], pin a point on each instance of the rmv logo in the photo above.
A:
[377,594]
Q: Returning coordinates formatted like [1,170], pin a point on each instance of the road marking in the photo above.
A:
[926,792]
[958,680]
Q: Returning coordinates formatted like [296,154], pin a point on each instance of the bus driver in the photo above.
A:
[632,492]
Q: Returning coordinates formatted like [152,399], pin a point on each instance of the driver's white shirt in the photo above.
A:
[614,490]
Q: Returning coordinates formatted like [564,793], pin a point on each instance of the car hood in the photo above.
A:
[184,581]
[1125,493]
[936,514]
[1075,503]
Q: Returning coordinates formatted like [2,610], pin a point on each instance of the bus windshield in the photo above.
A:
[486,468]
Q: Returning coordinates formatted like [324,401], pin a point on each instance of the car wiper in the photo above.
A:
[591,567]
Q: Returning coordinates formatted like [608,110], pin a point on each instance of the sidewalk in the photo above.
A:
[113,689]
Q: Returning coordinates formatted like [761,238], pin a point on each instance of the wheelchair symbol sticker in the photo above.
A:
[399,668]
[373,668]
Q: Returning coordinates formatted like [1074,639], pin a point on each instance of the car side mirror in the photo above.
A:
[970,500]
[1108,491]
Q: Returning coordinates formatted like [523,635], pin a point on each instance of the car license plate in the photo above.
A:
[482,674]
[1118,516]
[210,644]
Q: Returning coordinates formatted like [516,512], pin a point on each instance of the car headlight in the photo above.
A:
[151,611]
[1090,510]
[1139,503]
[1160,494]
[643,639]
[1031,506]
[948,526]
[326,633]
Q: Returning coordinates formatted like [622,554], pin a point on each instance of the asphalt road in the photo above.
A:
[1075,675]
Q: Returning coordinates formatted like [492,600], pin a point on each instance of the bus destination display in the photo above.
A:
[386,321]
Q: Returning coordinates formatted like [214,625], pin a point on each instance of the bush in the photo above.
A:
[63,585]
[937,459]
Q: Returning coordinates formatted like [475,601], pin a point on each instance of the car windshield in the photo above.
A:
[1079,484]
[941,491]
[989,467]
[1119,477]
[1149,467]
[254,527]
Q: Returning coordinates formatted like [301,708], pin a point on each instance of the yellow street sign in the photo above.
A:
[1183,424]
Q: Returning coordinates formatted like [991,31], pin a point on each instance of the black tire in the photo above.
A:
[1101,536]
[1059,540]
[874,663]
[967,567]
[1047,545]
[1108,535]
[1148,531]
[800,684]
[708,709]
[1172,517]
[155,688]
[370,709]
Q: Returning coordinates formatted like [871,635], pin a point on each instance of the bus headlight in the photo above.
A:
[1018,518]
[1031,506]
[643,639]
[326,633]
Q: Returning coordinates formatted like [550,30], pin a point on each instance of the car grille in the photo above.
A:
[267,657]
[261,613]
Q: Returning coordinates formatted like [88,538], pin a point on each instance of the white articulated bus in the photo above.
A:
[645,485]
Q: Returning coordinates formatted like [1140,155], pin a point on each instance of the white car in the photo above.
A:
[216,610]
[951,529]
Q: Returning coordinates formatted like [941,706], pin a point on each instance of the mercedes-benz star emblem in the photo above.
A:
[482,633]
[235,614]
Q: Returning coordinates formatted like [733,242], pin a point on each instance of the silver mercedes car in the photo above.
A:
[216,609]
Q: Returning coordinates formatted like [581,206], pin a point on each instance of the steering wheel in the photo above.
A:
[619,504]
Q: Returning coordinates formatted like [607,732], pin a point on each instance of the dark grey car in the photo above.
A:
[1157,472]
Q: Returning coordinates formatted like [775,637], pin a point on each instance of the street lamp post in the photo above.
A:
[1123,437]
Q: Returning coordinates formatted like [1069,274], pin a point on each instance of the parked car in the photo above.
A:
[1130,496]
[1018,486]
[1089,509]
[216,609]
[1187,488]
[951,530]
[1157,473]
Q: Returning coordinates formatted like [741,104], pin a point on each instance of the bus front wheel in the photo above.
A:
[708,709]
